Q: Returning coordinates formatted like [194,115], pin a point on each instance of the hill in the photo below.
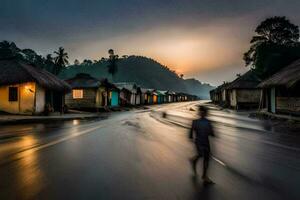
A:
[144,71]
[194,86]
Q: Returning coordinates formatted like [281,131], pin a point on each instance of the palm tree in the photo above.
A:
[61,60]
[112,66]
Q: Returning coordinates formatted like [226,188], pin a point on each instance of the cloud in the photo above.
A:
[200,38]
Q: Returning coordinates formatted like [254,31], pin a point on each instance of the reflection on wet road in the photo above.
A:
[140,155]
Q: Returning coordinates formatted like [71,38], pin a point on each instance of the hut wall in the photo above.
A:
[101,97]
[40,99]
[233,102]
[132,98]
[248,96]
[114,98]
[169,98]
[288,105]
[138,99]
[143,98]
[287,101]
[88,100]
[123,95]
[155,98]
[223,95]
[25,100]
[149,99]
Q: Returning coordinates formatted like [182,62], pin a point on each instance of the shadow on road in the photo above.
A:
[202,190]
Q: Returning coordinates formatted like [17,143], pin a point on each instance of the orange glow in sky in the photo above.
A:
[189,52]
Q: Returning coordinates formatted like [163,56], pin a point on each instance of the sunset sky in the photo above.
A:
[204,39]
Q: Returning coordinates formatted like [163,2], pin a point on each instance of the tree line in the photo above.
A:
[59,60]
[53,64]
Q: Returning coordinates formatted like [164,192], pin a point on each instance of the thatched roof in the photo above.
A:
[14,72]
[249,80]
[220,88]
[288,76]
[83,80]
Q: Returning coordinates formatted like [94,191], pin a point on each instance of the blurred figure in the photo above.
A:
[164,115]
[200,131]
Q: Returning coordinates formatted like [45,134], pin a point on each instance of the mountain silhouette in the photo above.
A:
[144,71]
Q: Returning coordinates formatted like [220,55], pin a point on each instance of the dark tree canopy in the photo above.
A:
[76,62]
[9,50]
[275,44]
[277,30]
[87,62]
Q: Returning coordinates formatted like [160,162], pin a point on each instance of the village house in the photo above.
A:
[155,97]
[147,96]
[130,93]
[214,95]
[177,97]
[30,90]
[165,96]
[183,96]
[112,91]
[144,96]
[91,93]
[170,96]
[242,93]
[224,92]
[160,96]
[220,95]
[281,92]
[138,97]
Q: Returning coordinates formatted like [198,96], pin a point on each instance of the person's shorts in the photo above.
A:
[203,151]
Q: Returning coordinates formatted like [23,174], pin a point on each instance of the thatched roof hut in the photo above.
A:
[16,72]
[83,80]
[249,80]
[287,77]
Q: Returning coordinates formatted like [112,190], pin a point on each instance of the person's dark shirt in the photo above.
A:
[202,128]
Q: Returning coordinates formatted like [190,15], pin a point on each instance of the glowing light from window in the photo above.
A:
[77,94]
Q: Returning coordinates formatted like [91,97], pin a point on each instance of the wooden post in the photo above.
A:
[19,98]
[34,99]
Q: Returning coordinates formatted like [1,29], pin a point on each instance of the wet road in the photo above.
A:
[140,155]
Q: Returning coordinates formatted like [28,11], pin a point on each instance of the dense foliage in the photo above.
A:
[54,65]
[275,45]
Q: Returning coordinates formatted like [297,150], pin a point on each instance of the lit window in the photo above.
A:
[77,94]
[13,94]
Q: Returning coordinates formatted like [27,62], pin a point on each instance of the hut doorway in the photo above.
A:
[55,100]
